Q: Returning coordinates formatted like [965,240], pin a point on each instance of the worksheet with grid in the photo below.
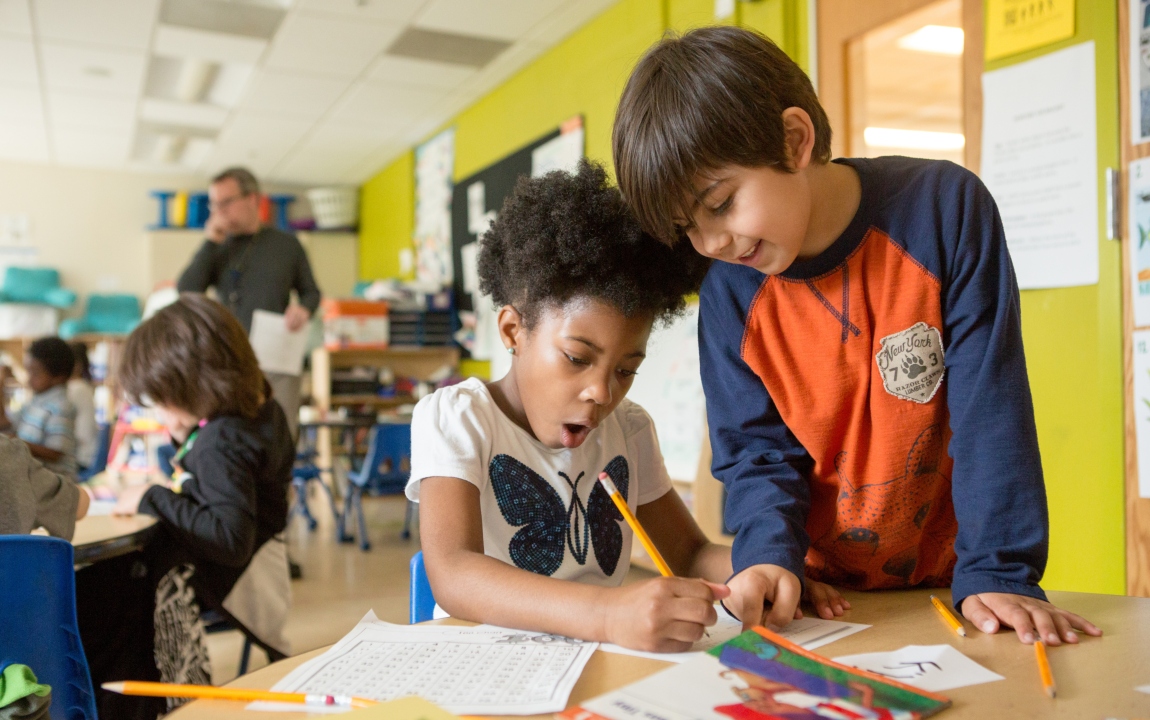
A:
[480,670]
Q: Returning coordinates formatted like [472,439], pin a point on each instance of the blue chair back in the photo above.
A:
[100,462]
[112,313]
[389,446]
[38,625]
[422,602]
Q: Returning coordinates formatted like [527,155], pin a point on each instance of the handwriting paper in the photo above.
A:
[809,632]
[481,670]
[929,667]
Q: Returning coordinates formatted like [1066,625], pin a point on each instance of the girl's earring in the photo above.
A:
[511,350]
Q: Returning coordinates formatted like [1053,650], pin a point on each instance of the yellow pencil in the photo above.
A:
[155,689]
[636,528]
[1044,668]
[948,616]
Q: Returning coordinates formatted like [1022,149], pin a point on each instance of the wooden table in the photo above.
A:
[1096,679]
[101,537]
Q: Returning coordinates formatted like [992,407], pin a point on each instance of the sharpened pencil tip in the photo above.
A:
[1050,693]
[962,631]
[113,686]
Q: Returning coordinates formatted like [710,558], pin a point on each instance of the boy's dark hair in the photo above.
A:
[565,236]
[80,352]
[55,355]
[244,179]
[696,103]
[192,355]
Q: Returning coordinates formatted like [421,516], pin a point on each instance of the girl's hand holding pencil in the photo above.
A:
[665,614]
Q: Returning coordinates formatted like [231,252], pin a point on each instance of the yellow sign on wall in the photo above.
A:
[1013,26]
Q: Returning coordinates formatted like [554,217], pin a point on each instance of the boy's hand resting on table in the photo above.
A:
[666,614]
[754,587]
[1032,619]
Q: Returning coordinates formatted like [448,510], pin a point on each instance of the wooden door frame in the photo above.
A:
[838,21]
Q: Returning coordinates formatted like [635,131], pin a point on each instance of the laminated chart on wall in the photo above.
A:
[1040,163]
[1139,63]
[479,670]
[434,165]
[1138,230]
[1140,403]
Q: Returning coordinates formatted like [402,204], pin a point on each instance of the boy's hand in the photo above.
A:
[828,602]
[770,583]
[1032,619]
[129,500]
[662,615]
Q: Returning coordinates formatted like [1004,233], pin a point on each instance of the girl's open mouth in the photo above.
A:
[572,436]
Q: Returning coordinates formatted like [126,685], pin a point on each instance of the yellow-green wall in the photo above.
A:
[1072,336]
[1073,340]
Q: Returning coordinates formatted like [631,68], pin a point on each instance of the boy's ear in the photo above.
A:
[510,324]
[800,137]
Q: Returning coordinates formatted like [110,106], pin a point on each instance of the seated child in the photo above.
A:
[860,340]
[83,397]
[33,496]
[227,502]
[47,421]
[515,528]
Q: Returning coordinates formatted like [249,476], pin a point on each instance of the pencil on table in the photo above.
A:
[206,692]
[948,616]
[1044,668]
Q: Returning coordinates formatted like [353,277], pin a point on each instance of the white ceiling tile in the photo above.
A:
[21,105]
[329,153]
[180,114]
[503,19]
[111,72]
[257,140]
[397,11]
[230,83]
[181,42]
[123,24]
[24,142]
[307,96]
[75,146]
[567,20]
[18,61]
[15,18]
[327,45]
[387,107]
[96,112]
[419,72]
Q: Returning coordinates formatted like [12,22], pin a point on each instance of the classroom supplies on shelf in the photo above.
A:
[355,324]
[480,670]
[172,690]
[760,674]
[334,207]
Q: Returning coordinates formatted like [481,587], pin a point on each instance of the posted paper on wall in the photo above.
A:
[1139,58]
[1141,404]
[1040,162]
[1138,229]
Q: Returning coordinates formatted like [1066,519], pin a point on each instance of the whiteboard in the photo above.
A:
[670,389]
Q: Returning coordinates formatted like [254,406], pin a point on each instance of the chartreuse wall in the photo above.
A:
[1072,336]
[1073,340]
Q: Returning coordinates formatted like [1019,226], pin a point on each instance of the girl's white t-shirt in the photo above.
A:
[543,509]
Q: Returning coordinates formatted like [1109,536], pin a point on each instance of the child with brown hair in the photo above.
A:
[219,514]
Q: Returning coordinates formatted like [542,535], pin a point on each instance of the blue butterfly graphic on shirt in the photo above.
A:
[528,501]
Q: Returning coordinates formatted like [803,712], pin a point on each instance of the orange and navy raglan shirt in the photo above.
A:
[869,408]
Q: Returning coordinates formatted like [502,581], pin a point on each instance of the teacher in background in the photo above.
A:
[253,267]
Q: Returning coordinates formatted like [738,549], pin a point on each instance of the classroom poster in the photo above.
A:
[1139,64]
[1014,26]
[1138,224]
[434,164]
[1040,162]
[1141,404]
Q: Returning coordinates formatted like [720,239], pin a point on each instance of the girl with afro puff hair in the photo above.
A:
[516,530]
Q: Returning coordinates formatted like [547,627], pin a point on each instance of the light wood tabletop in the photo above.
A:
[99,537]
[1096,678]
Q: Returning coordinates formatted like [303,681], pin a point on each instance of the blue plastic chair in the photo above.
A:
[35,285]
[100,462]
[384,471]
[304,472]
[107,314]
[421,604]
[38,626]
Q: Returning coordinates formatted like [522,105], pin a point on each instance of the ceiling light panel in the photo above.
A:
[305,96]
[233,18]
[15,17]
[196,115]
[17,61]
[322,44]
[447,47]
[93,112]
[182,42]
[938,39]
[393,11]
[125,24]
[502,19]
[230,82]
[114,72]
[424,73]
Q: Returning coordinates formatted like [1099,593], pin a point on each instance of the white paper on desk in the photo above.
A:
[929,667]
[808,633]
[1040,162]
[277,349]
[101,507]
[1143,689]
[481,670]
